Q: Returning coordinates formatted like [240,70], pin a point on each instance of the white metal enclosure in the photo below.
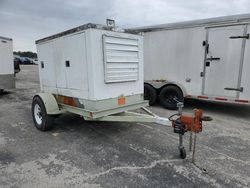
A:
[207,59]
[7,79]
[93,65]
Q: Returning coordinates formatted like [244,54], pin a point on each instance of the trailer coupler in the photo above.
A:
[188,123]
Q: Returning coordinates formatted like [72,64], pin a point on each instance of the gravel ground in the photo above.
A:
[103,154]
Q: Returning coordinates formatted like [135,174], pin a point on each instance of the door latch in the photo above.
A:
[42,64]
[213,58]
[67,63]
[234,89]
[240,37]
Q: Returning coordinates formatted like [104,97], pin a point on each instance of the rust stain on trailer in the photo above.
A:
[66,100]
[121,100]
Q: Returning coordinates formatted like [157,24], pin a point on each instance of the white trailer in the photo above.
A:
[7,78]
[205,59]
[97,73]
[93,68]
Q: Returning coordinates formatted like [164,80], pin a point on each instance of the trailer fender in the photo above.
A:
[160,84]
[184,91]
[50,103]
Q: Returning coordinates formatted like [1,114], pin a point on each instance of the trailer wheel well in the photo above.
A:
[49,103]
[146,83]
[171,84]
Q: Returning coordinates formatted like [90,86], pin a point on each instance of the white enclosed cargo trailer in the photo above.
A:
[205,59]
[97,73]
[7,78]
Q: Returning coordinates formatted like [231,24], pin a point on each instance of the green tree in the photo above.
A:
[29,54]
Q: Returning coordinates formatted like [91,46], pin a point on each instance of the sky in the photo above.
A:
[28,20]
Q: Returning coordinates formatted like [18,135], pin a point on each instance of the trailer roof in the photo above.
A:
[5,38]
[194,23]
[74,30]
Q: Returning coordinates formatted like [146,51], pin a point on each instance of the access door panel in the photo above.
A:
[75,61]
[223,61]
[58,49]
[47,66]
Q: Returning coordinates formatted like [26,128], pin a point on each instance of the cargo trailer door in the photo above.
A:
[47,66]
[76,62]
[223,61]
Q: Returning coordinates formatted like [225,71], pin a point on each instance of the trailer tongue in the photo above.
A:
[181,123]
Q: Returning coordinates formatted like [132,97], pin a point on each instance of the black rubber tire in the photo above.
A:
[1,91]
[150,94]
[47,120]
[167,96]
[182,153]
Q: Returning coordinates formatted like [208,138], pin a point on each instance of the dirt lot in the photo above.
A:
[88,154]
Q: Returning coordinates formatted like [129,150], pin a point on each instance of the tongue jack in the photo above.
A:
[188,123]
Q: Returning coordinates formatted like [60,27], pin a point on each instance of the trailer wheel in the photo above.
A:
[1,91]
[42,120]
[169,97]
[150,94]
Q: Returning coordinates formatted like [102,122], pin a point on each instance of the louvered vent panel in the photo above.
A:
[121,58]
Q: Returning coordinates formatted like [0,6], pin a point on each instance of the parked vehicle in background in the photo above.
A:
[205,59]
[26,60]
[35,61]
[7,79]
[30,60]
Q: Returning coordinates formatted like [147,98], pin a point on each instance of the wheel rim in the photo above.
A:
[172,97]
[38,114]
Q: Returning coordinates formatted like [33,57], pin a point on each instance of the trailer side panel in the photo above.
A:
[175,55]
[7,80]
